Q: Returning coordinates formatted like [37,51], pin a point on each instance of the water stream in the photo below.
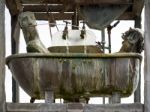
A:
[85,46]
[67,45]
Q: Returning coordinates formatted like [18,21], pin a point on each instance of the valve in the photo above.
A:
[65,32]
[83,32]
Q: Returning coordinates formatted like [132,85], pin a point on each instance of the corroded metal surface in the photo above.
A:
[76,74]
[76,49]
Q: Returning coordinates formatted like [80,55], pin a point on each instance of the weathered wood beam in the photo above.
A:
[14,6]
[127,16]
[115,98]
[82,2]
[137,7]
[137,93]
[15,34]
[76,107]
[57,16]
[35,107]
[43,8]
[2,56]
[147,58]
[68,16]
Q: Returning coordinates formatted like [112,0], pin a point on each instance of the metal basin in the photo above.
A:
[76,74]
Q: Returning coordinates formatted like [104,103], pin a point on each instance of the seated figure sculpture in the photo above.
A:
[133,41]
[28,24]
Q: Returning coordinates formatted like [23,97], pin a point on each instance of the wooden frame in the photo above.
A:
[2,56]
[15,34]
[58,6]
[74,107]
[15,9]
[147,58]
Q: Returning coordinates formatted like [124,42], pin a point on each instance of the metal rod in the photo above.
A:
[103,39]
[103,45]
[109,43]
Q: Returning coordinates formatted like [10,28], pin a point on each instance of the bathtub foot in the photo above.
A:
[32,100]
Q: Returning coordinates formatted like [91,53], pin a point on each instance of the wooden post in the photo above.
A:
[137,23]
[15,33]
[147,58]
[49,97]
[2,56]
[137,94]
[115,98]
[103,39]
[103,45]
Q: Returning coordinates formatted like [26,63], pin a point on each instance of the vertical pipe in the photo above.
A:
[137,93]
[147,58]
[103,45]
[15,33]
[75,20]
[103,39]
[2,56]
[109,37]
[109,42]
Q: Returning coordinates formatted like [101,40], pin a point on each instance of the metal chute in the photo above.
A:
[99,17]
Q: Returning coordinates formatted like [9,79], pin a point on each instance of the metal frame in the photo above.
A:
[11,107]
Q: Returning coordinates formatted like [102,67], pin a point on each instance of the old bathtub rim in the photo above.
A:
[74,55]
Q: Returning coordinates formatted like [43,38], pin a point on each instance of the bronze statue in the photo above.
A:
[28,24]
[133,41]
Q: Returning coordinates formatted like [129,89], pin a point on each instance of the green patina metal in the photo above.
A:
[74,55]
[76,75]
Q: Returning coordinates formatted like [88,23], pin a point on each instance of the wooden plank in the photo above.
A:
[13,7]
[57,16]
[127,16]
[137,93]
[115,98]
[2,56]
[137,7]
[36,107]
[74,107]
[68,16]
[83,2]
[49,97]
[147,58]
[15,33]
[43,8]
[137,107]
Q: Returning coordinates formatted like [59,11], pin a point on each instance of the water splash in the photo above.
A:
[85,46]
